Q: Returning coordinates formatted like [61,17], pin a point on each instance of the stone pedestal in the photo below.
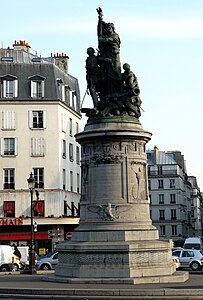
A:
[115,241]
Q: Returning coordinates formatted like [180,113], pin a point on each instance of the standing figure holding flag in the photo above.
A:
[109,47]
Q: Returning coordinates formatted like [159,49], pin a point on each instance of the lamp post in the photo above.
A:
[32,269]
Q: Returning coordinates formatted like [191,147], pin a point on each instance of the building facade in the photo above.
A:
[40,114]
[171,194]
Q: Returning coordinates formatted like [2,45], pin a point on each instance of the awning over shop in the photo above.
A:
[23,236]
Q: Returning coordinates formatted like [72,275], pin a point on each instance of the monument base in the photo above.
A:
[115,241]
[117,262]
[178,276]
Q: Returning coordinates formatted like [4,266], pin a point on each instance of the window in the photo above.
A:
[71,152]
[65,208]
[39,177]
[37,89]
[63,122]
[176,253]
[38,208]
[161,198]
[173,214]
[162,230]
[9,179]
[77,127]
[37,119]
[10,87]
[161,214]
[188,253]
[8,120]
[72,98]
[149,171]
[71,127]
[64,148]
[66,91]
[173,198]
[64,179]
[160,184]
[37,146]
[149,184]
[71,181]
[172,183]
[77,155]
[78,183]
[8,146]
[9,209]
[159,170]
[174,229]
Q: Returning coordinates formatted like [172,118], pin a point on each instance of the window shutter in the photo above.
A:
[30,121]
[42,86]
[15,86]
[8,120]
[31,88]
[16,146]
[40,144]
[33,146]
[45,118]
[62,121]
[12,117]
[3,119]
[4,88]
[2,146]
[37,145]
[63,93]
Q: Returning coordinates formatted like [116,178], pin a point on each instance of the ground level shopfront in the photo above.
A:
[47,232]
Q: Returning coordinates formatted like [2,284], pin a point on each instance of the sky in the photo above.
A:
[162,40]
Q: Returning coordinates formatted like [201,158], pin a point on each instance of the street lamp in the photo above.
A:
[32,269]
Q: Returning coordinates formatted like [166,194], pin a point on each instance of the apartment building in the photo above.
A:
[40,114]
[171,193]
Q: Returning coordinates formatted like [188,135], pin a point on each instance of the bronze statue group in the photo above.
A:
[114,93]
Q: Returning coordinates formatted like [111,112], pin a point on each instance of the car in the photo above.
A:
[48,261]
[189,258]
[193,243]
[176,261]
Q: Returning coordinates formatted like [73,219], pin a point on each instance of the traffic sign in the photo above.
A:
[54,234]
[68,235]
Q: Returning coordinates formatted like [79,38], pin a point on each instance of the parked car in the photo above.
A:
[6,258]
[189,258]
[48,261]
[176,260]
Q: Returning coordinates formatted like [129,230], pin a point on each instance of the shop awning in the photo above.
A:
[23,236]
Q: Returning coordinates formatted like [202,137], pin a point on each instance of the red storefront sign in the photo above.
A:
[11,221]
[23,236]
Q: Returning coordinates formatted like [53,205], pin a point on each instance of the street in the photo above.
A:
[39,281]
[27,287]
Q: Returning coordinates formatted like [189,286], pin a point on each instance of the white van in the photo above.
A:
[6,261]
[193,243]
[24,251]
